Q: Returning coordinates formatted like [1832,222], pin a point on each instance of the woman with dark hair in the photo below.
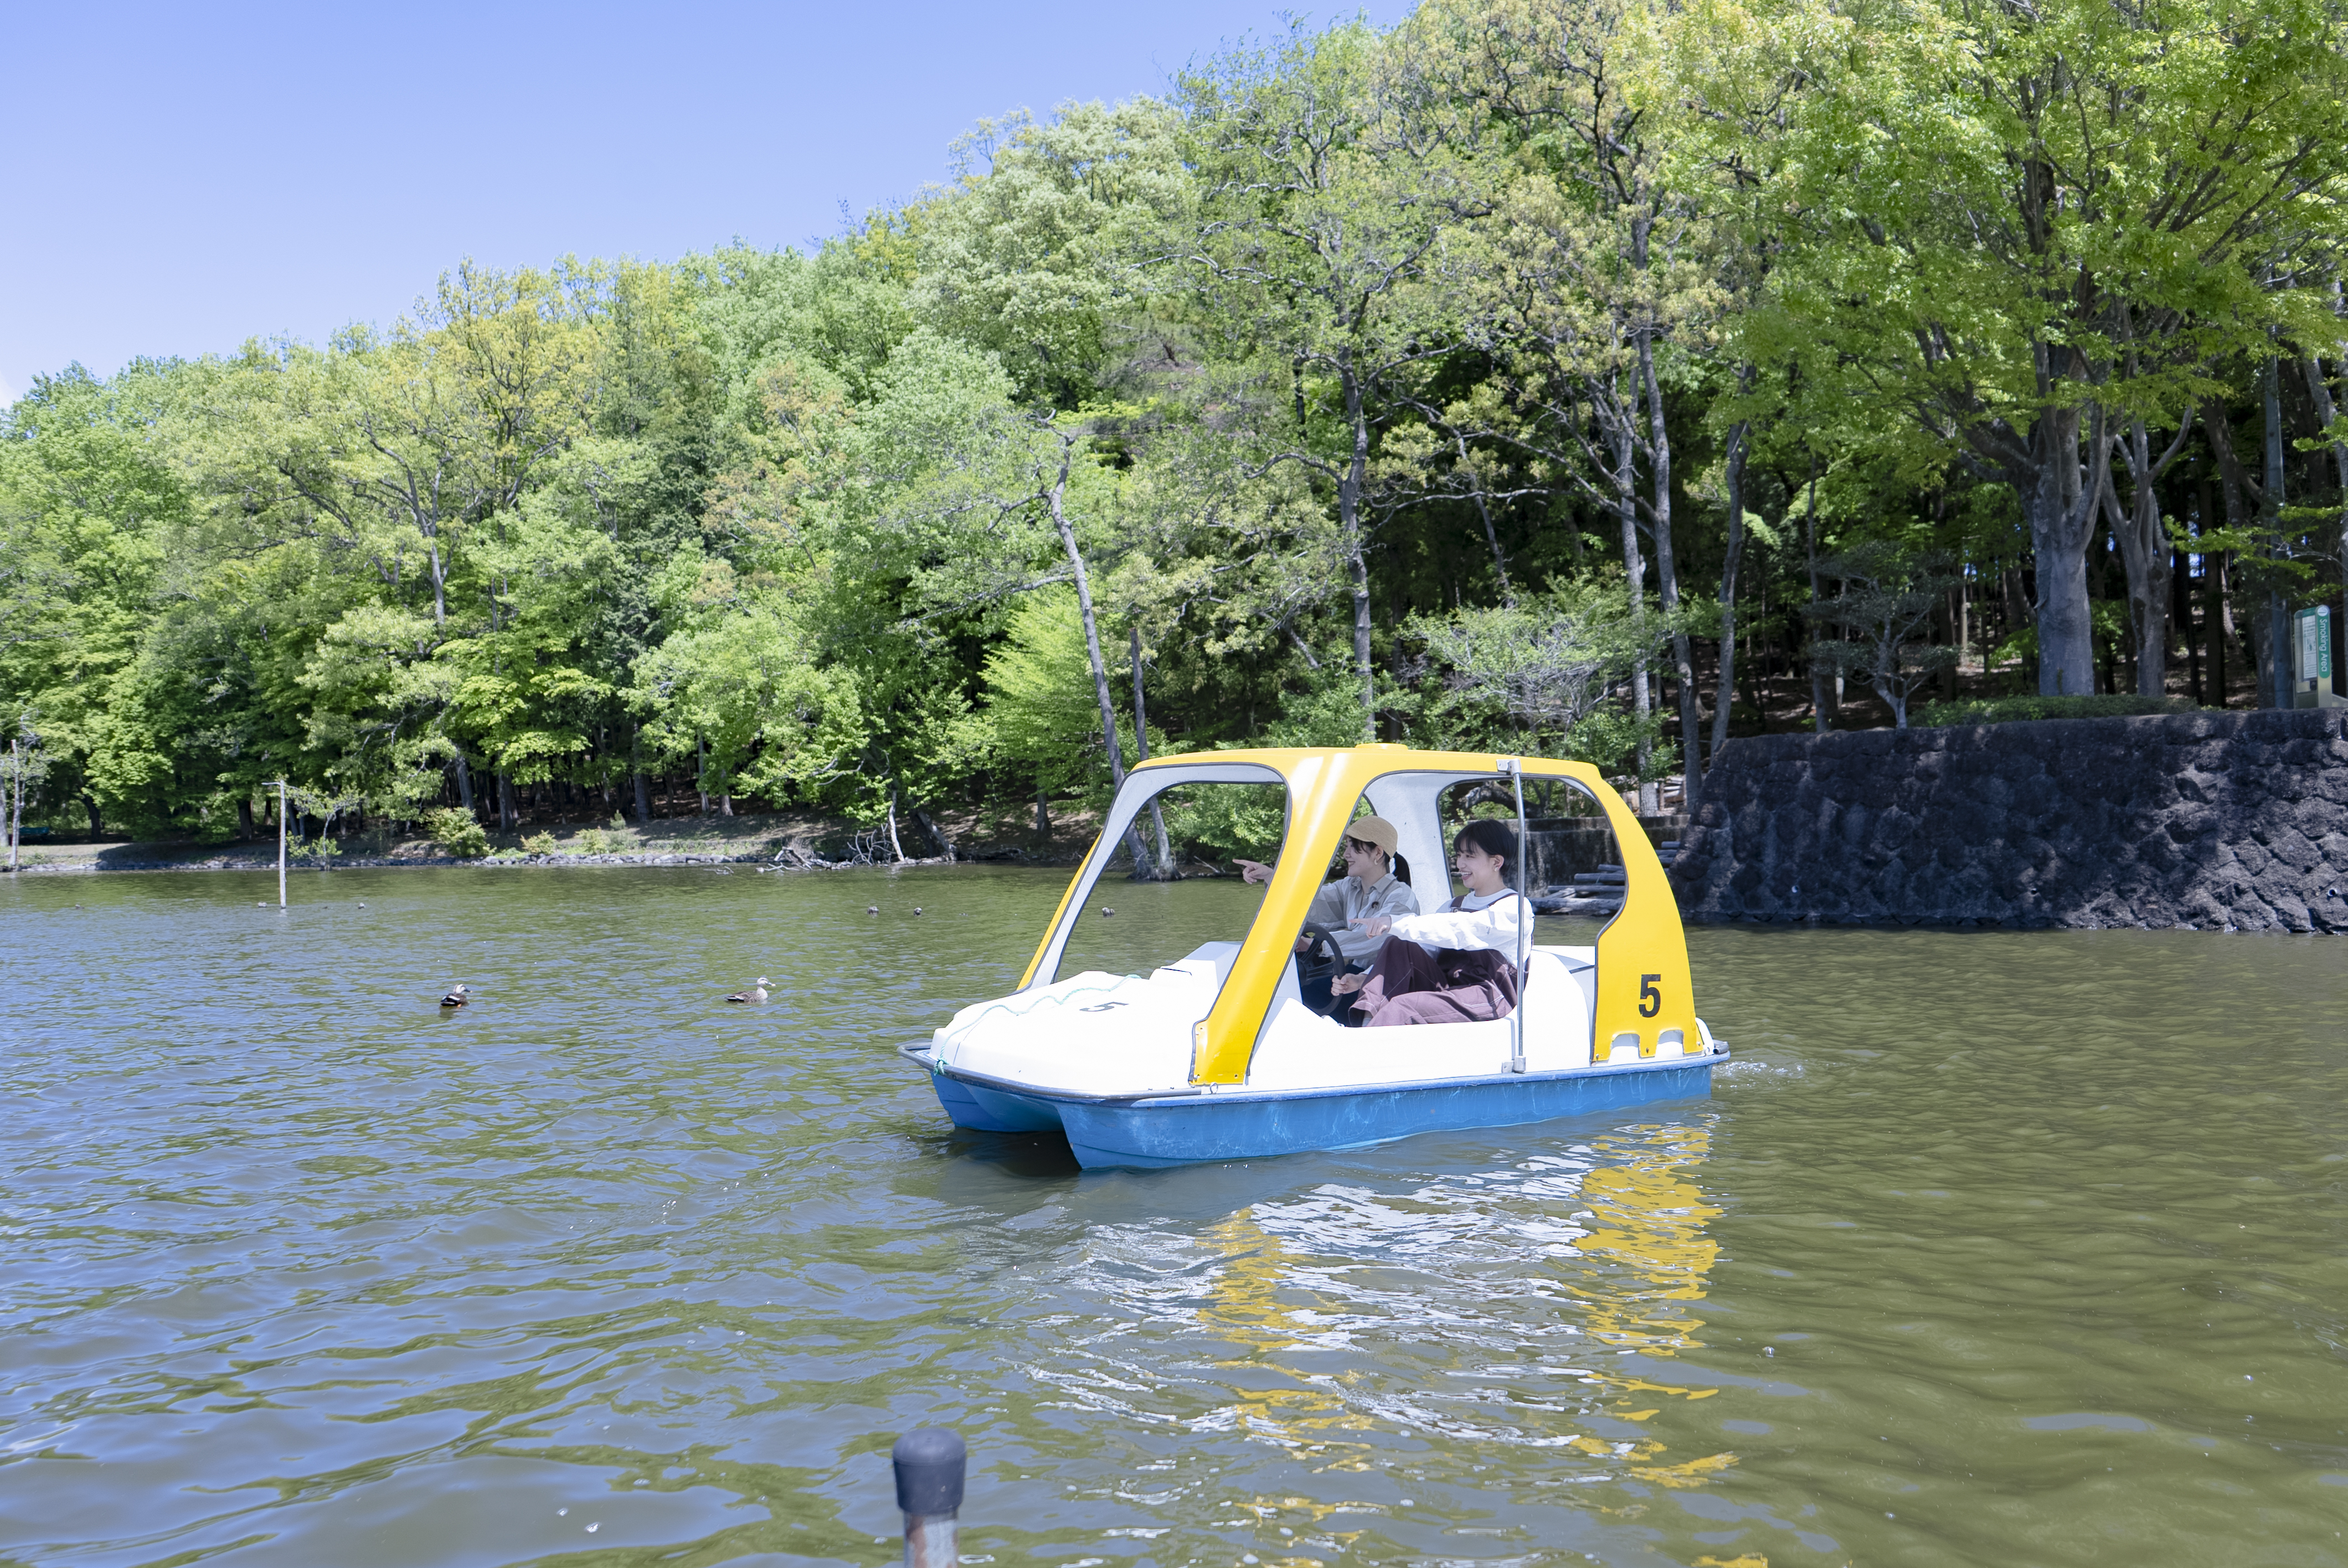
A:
[1456,965]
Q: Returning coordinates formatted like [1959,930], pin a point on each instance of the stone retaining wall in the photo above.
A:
[2213,820]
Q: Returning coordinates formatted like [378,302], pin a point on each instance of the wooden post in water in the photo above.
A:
[930,1462]
[280,843]
[15,800]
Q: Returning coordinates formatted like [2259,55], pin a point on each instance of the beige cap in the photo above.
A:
[1374,830]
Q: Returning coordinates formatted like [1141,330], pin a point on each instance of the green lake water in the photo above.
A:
[1987,1248]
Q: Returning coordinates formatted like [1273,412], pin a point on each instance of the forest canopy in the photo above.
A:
[1592,377]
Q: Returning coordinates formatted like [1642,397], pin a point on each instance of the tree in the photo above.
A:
[87,506]
[1889,593]
[1594,256]
[976,492]
[407,446]
[1548,662]
[1034,253]
[1327,192]
[2025,228]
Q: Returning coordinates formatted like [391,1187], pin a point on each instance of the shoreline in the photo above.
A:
[95,866]
[780,841]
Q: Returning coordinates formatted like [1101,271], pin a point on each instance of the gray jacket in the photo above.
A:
[1346,899]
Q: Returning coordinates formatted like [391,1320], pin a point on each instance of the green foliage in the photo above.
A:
[1213,822]
[1886,593]
[2008,710]
[1042,716]
[1548,662]
[538,844]
[457,833]
[1339,378]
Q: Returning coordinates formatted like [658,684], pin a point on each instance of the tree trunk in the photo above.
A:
[2180,617]
[1822,718]
[1356,548]
[1964,633]
[936,835]
[2237,489]
[2220,611]
[1948,623]
[2144,549]
[1725,691]
[2320,392]
[439,576]
[2060,503]
[701,772]
[1042,815]
[508,814]
[464,785]
[2277,654]
[1053,499]
[1895,697]
[244,820]
[1141,754]
[1667,578]
[96,823]
[1491,535]
[1634,571]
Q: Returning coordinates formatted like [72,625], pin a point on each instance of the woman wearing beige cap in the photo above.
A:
[1368,889]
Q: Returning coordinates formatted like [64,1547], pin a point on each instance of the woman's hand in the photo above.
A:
[1252,870]
[1374,924]
[1346,984]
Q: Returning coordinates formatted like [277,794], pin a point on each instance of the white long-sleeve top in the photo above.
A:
[1471,921]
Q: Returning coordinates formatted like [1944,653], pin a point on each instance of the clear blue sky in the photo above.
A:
[180,177]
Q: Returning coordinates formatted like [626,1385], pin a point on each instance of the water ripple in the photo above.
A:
[1989,1248]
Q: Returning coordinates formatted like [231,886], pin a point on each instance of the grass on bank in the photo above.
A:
[2008,710]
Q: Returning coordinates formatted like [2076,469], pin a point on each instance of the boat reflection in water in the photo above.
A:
[1650,1217]
[1506,1319]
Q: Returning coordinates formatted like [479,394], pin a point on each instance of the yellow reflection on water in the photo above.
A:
[1639,1261]
[1649,1219]
[1245,1306]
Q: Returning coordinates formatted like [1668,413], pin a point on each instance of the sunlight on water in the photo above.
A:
[1987,1249]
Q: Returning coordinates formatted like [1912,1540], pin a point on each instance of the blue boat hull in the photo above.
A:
[1185,1130]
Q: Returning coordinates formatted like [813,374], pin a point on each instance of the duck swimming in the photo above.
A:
[459,995]
[756,993]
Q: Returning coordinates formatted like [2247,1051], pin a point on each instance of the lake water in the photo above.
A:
[1987,1249]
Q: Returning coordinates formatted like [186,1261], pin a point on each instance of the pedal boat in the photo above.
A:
[1215,1056]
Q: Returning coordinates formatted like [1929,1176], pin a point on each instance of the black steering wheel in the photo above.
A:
[1322,958]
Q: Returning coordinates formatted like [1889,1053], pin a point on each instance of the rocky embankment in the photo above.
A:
[2223,821]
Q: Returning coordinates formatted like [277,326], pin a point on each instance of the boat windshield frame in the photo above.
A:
[1143,785]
